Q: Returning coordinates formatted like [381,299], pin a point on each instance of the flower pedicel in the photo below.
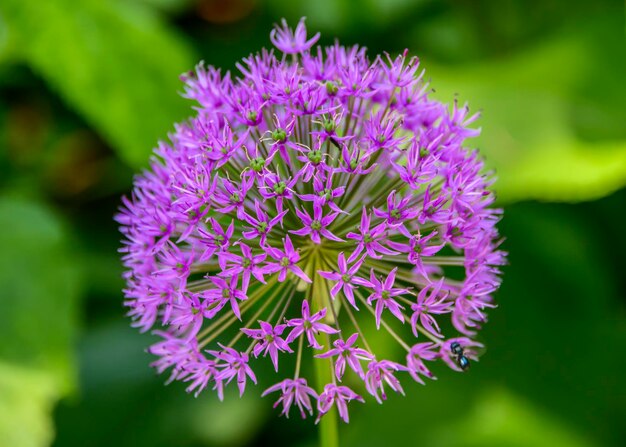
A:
[312,193]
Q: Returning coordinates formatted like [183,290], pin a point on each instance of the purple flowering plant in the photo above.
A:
[312,193]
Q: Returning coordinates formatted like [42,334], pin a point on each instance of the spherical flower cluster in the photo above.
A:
[313,201]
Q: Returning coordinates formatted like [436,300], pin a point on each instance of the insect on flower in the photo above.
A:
[461,360]
[312,192]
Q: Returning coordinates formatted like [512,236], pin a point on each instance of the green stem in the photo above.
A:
[328,425]
[324,371]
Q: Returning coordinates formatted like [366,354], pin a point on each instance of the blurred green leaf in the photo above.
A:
[566,171]
[4,44]
[114,62]
[171,6]
[40,285]
[26,399]
[500,418]
[529,105]
[341,16]
[119,387]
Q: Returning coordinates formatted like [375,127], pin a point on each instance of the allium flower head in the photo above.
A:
[313,192]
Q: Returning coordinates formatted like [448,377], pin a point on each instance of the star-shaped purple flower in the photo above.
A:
[368,240]
[232,364]
[287,260]
[292,42]
[339,396]
[427,305]
[293,391]
[383,293]
[415,361]
[316,226]
[268,340]
[262,224]
[309,325]
[225,292]
[417,249]
[216,240]
[379,373]
[347,354]
[345,278]
[246,265]
[325,193]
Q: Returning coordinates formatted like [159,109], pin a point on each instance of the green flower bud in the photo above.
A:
[279,135]
[331,88]
[257,164]
[280,187]
[329,126]
[252,116]
[315,156]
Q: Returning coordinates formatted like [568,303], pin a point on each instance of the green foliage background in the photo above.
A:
[88,87]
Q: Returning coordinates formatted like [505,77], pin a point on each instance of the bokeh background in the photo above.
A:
[86,89]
